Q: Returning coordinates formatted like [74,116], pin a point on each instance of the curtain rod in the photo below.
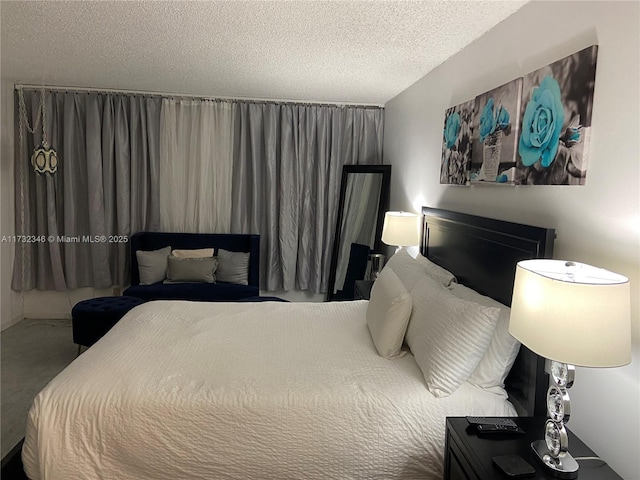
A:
[18,86]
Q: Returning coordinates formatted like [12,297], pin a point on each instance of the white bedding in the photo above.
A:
[188,390]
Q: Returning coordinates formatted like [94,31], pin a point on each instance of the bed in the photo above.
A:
[194,390]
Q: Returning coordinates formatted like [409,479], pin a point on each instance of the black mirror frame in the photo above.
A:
[383,206]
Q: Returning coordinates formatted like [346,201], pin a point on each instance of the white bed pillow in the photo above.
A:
[503,349]
[447,335]
[152,265]
[193,253]
[435,271]
[388,313]
[406,268]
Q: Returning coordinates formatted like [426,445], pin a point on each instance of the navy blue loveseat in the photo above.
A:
[209,292]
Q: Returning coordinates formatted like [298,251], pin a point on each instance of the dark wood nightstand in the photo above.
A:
[363,289]
[469,456]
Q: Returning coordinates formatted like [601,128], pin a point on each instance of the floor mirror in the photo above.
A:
[364,198]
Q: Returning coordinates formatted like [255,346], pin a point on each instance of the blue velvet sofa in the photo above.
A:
[210,292]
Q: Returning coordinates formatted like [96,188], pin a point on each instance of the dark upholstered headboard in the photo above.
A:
[482,253]
[233,242]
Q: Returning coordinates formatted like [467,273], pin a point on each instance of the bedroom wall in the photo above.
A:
[598,223]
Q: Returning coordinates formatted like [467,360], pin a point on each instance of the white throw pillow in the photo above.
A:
[406,268]
[435,271]
[388,313]
[193,253]
[503,349]
[447,335]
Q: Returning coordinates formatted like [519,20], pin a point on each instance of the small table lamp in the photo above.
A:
[572,314]
[401,229]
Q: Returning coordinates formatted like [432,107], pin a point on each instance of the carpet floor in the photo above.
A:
[33,351]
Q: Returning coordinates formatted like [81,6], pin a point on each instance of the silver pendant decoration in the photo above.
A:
[44,158]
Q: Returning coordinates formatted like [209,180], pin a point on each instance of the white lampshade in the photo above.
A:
[401,229]
[572,313]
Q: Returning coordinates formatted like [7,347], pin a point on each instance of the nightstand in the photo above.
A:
[468,456]
[363,289]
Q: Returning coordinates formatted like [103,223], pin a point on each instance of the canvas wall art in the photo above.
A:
[556,121]
[456,144]
[495,127]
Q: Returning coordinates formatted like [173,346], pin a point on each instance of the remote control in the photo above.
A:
[491,428]
[492,421]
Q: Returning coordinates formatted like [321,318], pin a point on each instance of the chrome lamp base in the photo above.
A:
[565,467]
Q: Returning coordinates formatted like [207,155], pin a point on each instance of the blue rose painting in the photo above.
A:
[456,144]
[452,129]
[491,121]
[542,122]
[556,121]
[487,121]
[495,133]
[503,119]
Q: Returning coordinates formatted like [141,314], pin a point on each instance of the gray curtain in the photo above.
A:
[287,165]
[106,186]
[288,162]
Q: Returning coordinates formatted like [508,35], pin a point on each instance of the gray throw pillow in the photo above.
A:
[200,270]
[233,267]
[152,265]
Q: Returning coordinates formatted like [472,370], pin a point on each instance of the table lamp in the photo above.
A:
[571,314]
[401,229]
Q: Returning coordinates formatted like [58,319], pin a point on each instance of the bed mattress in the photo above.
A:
[189,390]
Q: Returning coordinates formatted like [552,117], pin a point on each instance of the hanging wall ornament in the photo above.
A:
[44,158]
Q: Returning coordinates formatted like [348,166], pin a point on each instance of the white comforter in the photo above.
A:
[187,390]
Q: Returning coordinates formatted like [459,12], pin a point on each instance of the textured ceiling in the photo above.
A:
[336,51]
